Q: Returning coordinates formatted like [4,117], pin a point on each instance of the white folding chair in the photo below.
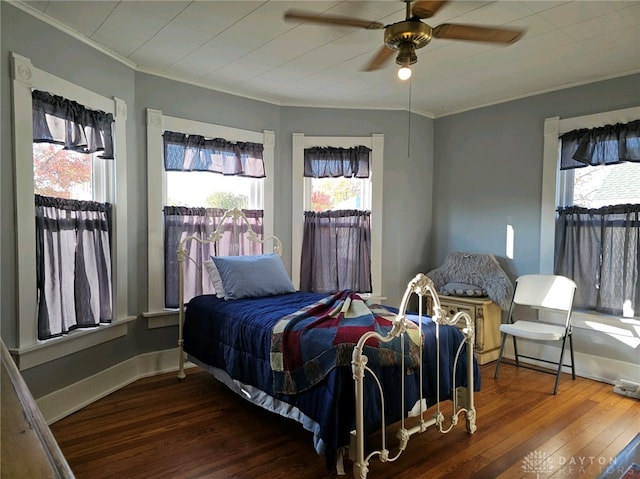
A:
[541,291]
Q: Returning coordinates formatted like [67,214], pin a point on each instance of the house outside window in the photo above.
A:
[602,185]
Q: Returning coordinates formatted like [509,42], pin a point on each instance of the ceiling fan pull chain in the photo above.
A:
[409,125]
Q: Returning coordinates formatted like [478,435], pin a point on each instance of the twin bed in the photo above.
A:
[339,365]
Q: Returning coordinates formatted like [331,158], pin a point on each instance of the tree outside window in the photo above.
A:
[61,173]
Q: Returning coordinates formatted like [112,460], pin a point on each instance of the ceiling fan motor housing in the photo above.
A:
[413,32]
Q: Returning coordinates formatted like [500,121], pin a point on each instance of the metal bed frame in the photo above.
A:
[462,397]
[421,286]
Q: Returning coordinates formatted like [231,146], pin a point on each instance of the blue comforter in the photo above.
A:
[235,336]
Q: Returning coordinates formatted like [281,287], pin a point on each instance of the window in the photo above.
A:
[364,193]
[25,79]
[192,156]
[336,243]
[602,185]
[337,194]
[197,189]
[73,247]
[593,237]
[213,190]
[62,173]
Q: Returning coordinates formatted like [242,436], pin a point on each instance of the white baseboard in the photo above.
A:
[65,401]
[74,397]
[589,366]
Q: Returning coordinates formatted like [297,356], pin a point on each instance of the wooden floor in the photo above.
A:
[164,428]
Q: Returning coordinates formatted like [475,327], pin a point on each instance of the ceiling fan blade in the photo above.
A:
[382,57]
[296,15]
[427,9]
[475,33]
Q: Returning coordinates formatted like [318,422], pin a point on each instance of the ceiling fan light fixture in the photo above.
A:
[407,55]
[404,73]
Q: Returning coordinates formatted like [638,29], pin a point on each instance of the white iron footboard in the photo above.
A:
[462,396]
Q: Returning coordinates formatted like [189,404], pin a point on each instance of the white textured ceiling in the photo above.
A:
[246,48]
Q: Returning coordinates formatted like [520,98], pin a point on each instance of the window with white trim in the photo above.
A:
[25,79]
[214,189]
[369,195]
[589,218]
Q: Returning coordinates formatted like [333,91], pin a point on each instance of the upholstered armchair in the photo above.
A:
[473,274]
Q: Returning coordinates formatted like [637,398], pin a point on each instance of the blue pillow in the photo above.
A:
[252,276]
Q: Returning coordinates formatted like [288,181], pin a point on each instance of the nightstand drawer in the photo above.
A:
[486,316]
[451,309]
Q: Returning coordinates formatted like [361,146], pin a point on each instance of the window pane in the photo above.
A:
[338,194]
[604,185]
[61,173]
[206,189]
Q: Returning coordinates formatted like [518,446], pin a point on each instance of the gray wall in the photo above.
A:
[407,182]
[486,174]
[488,170]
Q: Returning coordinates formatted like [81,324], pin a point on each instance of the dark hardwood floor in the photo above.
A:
[161,427]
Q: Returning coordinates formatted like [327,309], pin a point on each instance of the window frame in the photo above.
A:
[157,123]
[553,190]
[376,143]
[30,351]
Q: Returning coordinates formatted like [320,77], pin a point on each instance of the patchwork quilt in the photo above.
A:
[307,344]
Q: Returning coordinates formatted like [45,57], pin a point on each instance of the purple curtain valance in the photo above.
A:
[184,152]
[65,122]
[331,162]
[604,145]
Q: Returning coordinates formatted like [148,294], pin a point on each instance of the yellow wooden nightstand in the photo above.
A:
[486,315]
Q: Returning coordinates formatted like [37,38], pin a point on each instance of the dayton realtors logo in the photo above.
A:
[541,462]
[537,462]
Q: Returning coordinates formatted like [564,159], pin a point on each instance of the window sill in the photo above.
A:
[161,319]
[625,330]
[44,351]
[589,319]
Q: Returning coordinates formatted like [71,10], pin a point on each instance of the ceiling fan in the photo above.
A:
[406,36]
